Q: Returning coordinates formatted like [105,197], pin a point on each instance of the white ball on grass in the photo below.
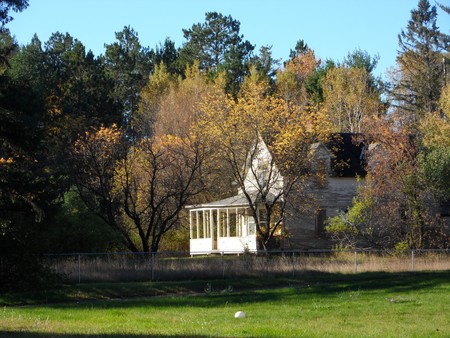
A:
[239,314]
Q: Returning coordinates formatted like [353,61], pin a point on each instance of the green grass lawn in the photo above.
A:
[325,305]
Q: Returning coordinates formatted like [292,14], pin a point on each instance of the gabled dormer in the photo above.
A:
[261,172]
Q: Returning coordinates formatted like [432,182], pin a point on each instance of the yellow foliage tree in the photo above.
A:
[349,98]
[435,128]
[156,88]
[176,112]
[138,190]
[233,129]
[291,81]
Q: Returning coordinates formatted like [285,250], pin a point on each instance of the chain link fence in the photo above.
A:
[126,267]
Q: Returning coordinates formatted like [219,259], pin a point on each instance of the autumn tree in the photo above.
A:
[435,128]
[292,80]
[167,104]
[302,77]
[236,130]
[157,87]
[140,189]
[177,112]
[349,96]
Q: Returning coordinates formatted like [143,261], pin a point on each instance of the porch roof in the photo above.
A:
[236,201]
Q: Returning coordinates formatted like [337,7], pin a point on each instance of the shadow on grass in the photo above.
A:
[11,334]
[227,291]
[323,283]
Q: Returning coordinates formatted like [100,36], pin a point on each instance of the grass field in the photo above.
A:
[319,305]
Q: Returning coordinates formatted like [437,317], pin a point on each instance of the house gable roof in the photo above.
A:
[261,171]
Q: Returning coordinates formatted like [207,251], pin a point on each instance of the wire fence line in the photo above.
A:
[123,267]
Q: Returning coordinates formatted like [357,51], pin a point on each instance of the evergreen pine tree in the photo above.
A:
[416,93]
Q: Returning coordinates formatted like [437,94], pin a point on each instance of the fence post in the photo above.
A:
[293,263]
[223,266]
[152,260]
[79,269]
[356,262]
[412,260]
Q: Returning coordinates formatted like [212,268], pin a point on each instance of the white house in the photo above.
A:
[228,225]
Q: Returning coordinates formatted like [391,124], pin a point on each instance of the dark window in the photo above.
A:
[321,217]
[445,209]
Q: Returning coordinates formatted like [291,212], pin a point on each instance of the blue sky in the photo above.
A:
[331,27]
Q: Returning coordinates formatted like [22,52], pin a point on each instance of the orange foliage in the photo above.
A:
[291,80]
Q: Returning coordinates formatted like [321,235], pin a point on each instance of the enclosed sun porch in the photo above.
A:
[226,226]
